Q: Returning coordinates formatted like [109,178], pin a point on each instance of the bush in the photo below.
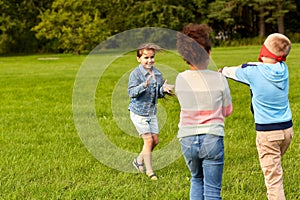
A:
[238,42]
[294,37]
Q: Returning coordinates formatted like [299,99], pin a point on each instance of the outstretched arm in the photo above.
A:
[229,72]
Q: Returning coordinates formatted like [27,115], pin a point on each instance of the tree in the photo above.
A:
[71,25]
[240,18]
[118,14]
[102,18]
[16,19]
[292,24]
[75,25]
[282,8]
[273,12]
[159,13]
[226,16]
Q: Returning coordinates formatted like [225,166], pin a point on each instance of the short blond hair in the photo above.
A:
[278,44]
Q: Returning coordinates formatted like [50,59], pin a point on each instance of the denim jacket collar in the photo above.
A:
[145,72]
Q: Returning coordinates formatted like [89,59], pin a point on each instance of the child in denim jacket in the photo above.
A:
[145,86]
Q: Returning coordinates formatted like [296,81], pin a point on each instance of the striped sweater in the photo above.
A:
[205,101]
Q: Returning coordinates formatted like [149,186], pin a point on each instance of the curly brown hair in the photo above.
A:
[194,44]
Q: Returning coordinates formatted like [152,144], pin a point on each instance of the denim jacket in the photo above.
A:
[143,99]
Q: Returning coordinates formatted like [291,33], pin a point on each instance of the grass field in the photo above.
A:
[45,154]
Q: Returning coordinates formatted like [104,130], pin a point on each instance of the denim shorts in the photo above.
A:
[144,124]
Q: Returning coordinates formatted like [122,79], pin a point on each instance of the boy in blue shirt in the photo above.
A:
[269,85]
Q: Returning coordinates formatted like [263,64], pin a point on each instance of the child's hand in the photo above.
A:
[167,87]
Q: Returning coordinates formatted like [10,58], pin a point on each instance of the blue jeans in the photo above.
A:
[204,155]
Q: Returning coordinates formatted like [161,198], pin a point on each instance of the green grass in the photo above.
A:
[42,155]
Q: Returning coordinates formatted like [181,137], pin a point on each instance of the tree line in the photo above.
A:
[30,26]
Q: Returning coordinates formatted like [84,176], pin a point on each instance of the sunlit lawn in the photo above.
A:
[42,155]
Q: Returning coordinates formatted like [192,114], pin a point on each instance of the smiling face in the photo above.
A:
[147,58]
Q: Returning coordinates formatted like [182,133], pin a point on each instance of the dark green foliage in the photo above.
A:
[79,26]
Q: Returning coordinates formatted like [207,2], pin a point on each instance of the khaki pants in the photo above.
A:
[271,145]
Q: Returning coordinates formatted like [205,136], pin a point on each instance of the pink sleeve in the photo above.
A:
[227,110]
[227,103]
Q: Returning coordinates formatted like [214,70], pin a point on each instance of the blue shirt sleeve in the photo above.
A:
[242,75]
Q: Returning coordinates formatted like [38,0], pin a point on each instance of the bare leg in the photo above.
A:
[146,151]
[155,140]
